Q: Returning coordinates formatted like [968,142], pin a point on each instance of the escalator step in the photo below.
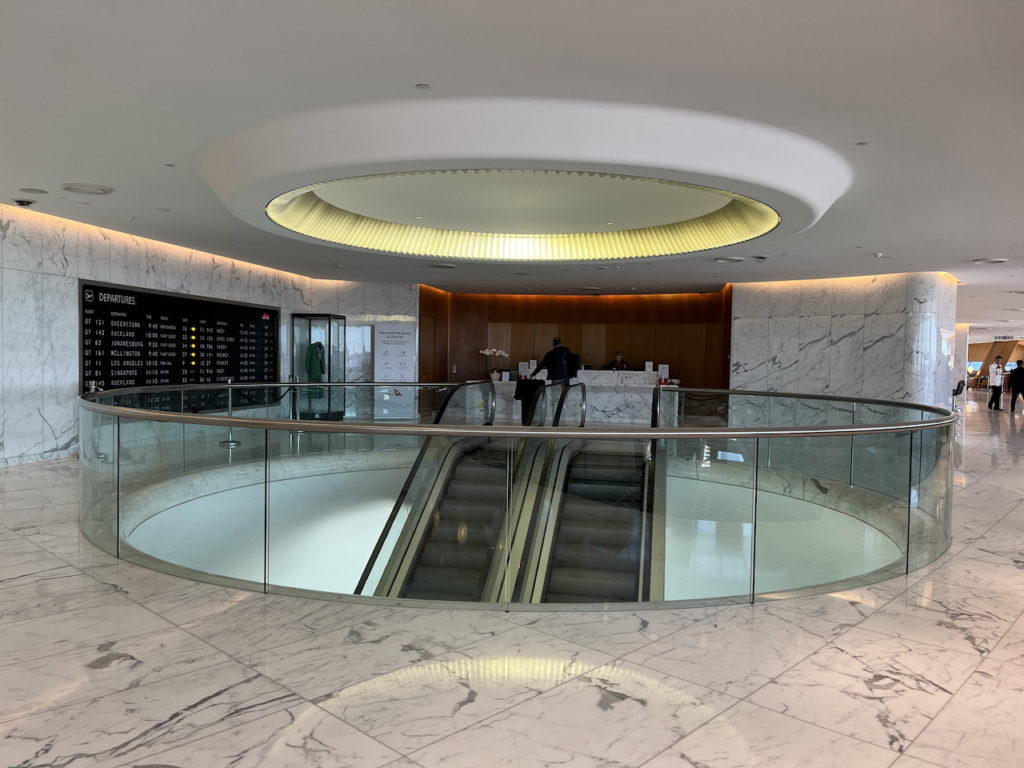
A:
[454,581]
[481,475]
[631,492]
[585,472]
[597,557]
[470,509]
[600,584]
[466,490]
[587,510]
[614,534]
[460,532]
[453,555]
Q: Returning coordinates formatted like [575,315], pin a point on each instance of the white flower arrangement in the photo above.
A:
[493,354]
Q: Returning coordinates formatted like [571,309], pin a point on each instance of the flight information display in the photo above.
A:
[133,338]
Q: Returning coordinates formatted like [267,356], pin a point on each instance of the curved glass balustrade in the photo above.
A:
[419,495]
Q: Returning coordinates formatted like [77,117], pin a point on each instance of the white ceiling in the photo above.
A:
[922,98]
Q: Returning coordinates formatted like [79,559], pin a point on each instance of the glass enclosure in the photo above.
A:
[732,497]
[318,355]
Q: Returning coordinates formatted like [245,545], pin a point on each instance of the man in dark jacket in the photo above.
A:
[556,361]
[1016,384]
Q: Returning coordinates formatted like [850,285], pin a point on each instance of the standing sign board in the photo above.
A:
[394,360]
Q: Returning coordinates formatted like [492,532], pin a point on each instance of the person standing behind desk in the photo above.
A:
[618,364]
[556,361]
[995,383]
[1016,382]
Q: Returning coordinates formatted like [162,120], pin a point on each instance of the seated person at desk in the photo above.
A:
[556,361]
[618,364]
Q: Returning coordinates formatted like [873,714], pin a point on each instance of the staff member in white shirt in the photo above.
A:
[995,383]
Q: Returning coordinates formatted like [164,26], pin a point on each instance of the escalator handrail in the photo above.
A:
[557,421]
[400,501]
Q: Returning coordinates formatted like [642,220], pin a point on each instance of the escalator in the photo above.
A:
[454,515]
[596,552]
[462,536]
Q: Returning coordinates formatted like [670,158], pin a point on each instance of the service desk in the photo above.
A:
[613,397]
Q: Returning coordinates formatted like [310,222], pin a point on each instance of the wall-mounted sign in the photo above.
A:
[133,338]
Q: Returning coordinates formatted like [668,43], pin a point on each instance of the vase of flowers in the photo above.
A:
[494,356]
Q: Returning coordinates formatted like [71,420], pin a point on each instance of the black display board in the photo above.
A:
[133,338]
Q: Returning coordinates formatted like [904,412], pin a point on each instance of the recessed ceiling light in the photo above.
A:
[339,265]
[83,188]
[879,255]
[163,210]
[169,165]
[1018,293]
[33,191]
[990,261]
[728,259]
[590,288]
[862,143]
[81,202]
[442,266]
[423,86]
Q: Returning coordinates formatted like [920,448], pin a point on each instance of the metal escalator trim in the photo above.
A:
[539,564]
[659,522]
[527,473]
[643,578]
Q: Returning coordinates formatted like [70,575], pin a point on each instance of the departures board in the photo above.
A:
[133,338]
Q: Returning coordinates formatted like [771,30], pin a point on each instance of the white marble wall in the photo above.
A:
[41,261]
[883,336]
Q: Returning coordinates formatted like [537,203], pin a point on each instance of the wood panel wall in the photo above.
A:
[688,331]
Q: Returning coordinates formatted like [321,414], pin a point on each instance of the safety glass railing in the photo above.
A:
[466,512]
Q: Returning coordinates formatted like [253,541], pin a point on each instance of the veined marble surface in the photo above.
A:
[41,261]
[883,336]
[107,664]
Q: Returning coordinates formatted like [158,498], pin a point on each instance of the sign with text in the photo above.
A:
[394,359]
[133,338]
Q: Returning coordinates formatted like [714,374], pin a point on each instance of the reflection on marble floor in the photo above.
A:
[107,664]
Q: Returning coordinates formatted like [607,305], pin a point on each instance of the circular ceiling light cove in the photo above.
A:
[520,215]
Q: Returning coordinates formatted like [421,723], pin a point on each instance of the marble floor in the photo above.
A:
[106,664]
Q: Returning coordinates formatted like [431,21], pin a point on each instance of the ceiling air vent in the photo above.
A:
[1003,338]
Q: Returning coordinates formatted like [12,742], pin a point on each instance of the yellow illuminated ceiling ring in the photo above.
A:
[734,219]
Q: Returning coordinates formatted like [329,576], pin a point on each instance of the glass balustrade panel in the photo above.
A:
[702,520]
[192,504]
[931,503]
[814,531]
[97,454]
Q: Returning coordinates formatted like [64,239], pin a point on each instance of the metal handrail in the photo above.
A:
[943,418]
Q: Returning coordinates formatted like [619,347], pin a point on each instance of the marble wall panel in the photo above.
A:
[754,301]
[816,297]
[860,327]
[24,364]
[94,254]
[814,353]
[846,355]
[885,350]
[848,296]
[785,367]
[785,299]
[748,362]
[885,294]
[41,259]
